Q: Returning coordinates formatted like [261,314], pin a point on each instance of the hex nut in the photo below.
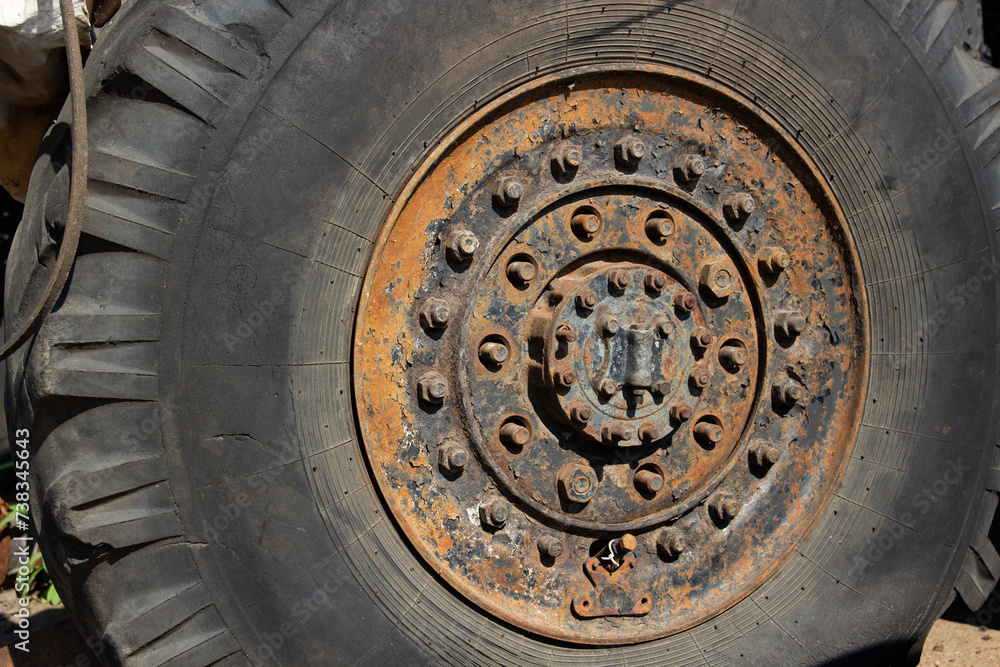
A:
[630,151]
[619,279]
[660,388]
[608,388]
[507,192]
[647,433]
[461,244]
[718,278]
[655,281]
[565,378]
[701,338]
[685,301]
[723,506]
[577,484]
[615,433]
[764,454]
[738,206]
[671,542]
[587,300]
[700,377]
[690,169]
[494,514]
[773,260]
[566,159]
[435,314]
[581,414]
[432,388]
[787,392]
[681,412]
[452,457]
[789,323]
[549,546]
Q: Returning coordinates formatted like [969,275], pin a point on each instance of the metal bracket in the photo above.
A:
[612,594]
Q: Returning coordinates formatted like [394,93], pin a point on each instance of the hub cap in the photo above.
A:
[610,355]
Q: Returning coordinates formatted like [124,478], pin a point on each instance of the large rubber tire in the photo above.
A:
[198,485]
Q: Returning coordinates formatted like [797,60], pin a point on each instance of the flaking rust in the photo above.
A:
[626,312]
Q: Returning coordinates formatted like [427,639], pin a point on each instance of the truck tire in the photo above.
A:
[354,364]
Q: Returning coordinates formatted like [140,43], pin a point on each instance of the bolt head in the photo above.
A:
[549,546]
[507,192]
[564,379]
[567,159]
[494,514]
[615,433]
[514,435]
[521,272]
[493,354]
[630,151]
[655,281]
[610,327]
[432,388]
[577,484]
[648,481]
[734,356]
[764,454]
[608,388]
[581,414]
[701,337]
[790,324]
[661,388]
[701,377]
[585,225]
[738,207]
[708,434]
[587,300]
[685,302]
[435,315]
[452,457]
[671,542]
[787,392]
[723,507]
[773,260]
[461,244]
[619,280]
[692,168]
[647,433]
[718,278]
[681,412]
[565,333]
[659,226]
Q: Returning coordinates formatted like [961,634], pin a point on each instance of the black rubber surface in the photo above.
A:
[198,484]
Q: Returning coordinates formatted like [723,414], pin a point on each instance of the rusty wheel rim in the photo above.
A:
[611,354]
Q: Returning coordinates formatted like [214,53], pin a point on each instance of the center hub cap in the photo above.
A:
[610,355]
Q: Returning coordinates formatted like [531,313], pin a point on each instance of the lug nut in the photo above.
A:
[432,388]
[514,435]
[648,482]
[738,206]
[787,392]
[671,542]
[647,433]
[660,388]
[773,260]
[681,412]
[494,514]
[659,225]
[549,546]
[685,302]
[764,454]
[567,159]
[701,338]
[577,484]
[615,433]
[461,244]
[663,326]
[585,225]
[493,354]
[608,388]
[655,281]
[564,379]
[630,151]
[436,314]
[610,327]
[521,272]
[581,414]
[691,168]
[718,278]
[789,324]
[587,300]
[507,192]
[700,377]
[565,333]
[708,434]
[723,507]
[734,356]
[452,457]
[619,279]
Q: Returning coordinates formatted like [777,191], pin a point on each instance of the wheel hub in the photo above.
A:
[622,375]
